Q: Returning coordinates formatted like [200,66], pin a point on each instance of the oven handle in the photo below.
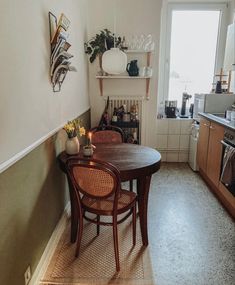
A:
[225,144]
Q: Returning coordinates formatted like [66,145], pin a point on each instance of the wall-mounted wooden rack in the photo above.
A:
[59,60]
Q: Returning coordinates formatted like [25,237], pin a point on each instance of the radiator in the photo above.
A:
[118,101]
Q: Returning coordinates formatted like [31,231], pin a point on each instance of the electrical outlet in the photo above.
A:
[27,275]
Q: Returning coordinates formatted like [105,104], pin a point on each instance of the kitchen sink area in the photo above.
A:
[220,119]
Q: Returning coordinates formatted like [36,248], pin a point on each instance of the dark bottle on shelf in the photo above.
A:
[218,88]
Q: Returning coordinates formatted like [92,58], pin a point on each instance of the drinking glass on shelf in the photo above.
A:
[148,43]
[134,42]
[141,41]
[142,71]
[128,42]
[138,43]
[149,71]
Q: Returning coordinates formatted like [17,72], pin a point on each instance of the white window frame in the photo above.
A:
[165,41]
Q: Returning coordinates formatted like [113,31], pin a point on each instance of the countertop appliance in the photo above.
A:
[228,141]
[185,98]
[212,103]
[193,147]
[170,109]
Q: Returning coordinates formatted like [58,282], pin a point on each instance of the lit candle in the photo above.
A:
[89,138]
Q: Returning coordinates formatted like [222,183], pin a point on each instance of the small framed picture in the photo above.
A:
[52,24]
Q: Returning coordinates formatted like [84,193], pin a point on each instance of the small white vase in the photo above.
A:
[72,146]
[114,61]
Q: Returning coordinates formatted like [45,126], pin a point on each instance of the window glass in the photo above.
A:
[192,52]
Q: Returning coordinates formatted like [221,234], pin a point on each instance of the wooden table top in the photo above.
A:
[132,160]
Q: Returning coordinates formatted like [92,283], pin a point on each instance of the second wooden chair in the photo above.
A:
[108,134]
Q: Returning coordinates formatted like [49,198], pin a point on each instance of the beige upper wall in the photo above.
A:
[29,109]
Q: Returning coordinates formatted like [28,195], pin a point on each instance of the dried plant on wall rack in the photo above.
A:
[60,62]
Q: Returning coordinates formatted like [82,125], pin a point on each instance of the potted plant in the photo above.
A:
[101,42]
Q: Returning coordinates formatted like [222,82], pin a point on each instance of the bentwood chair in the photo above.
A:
[98,191]
[108,134]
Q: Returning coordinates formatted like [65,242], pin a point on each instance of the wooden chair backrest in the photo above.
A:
[107,134]
[93,178]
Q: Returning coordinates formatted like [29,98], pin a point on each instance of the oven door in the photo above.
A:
[231,187]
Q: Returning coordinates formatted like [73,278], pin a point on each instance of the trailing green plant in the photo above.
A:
[100,43]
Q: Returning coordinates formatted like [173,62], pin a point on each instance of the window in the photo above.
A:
[192,43]
[192,52]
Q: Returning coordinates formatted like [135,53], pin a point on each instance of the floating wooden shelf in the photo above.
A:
[101,78]
[147,78]
[138,51]
[121,77]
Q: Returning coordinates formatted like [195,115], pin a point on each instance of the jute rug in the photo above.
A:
[96,262]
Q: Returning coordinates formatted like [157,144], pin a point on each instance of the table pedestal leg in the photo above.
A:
[143,185]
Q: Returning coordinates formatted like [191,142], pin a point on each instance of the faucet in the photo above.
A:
[185,97]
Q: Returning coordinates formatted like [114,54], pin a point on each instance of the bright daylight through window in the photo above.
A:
[192,52]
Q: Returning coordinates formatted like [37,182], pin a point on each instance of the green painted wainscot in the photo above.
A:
[33,195]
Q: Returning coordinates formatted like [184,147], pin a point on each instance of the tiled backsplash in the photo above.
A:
[173,139]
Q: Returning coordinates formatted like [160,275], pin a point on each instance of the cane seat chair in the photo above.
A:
[98,191]
[107,134]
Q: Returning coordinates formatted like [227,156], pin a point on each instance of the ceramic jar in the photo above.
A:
[72,146]
[87,150]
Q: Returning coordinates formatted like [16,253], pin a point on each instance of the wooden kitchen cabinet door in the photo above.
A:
[214,153]
[202,146]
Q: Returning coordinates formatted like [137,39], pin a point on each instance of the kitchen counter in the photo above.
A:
[214,129]
[222,121]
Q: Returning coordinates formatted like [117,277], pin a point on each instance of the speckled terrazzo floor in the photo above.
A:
[192,238]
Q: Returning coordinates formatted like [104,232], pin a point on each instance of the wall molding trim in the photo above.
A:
[50,248]
[6,164]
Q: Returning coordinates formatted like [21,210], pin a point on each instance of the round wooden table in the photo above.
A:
[134,162]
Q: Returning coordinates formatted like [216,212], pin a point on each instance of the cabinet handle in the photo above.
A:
[212,128]
[205,125]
